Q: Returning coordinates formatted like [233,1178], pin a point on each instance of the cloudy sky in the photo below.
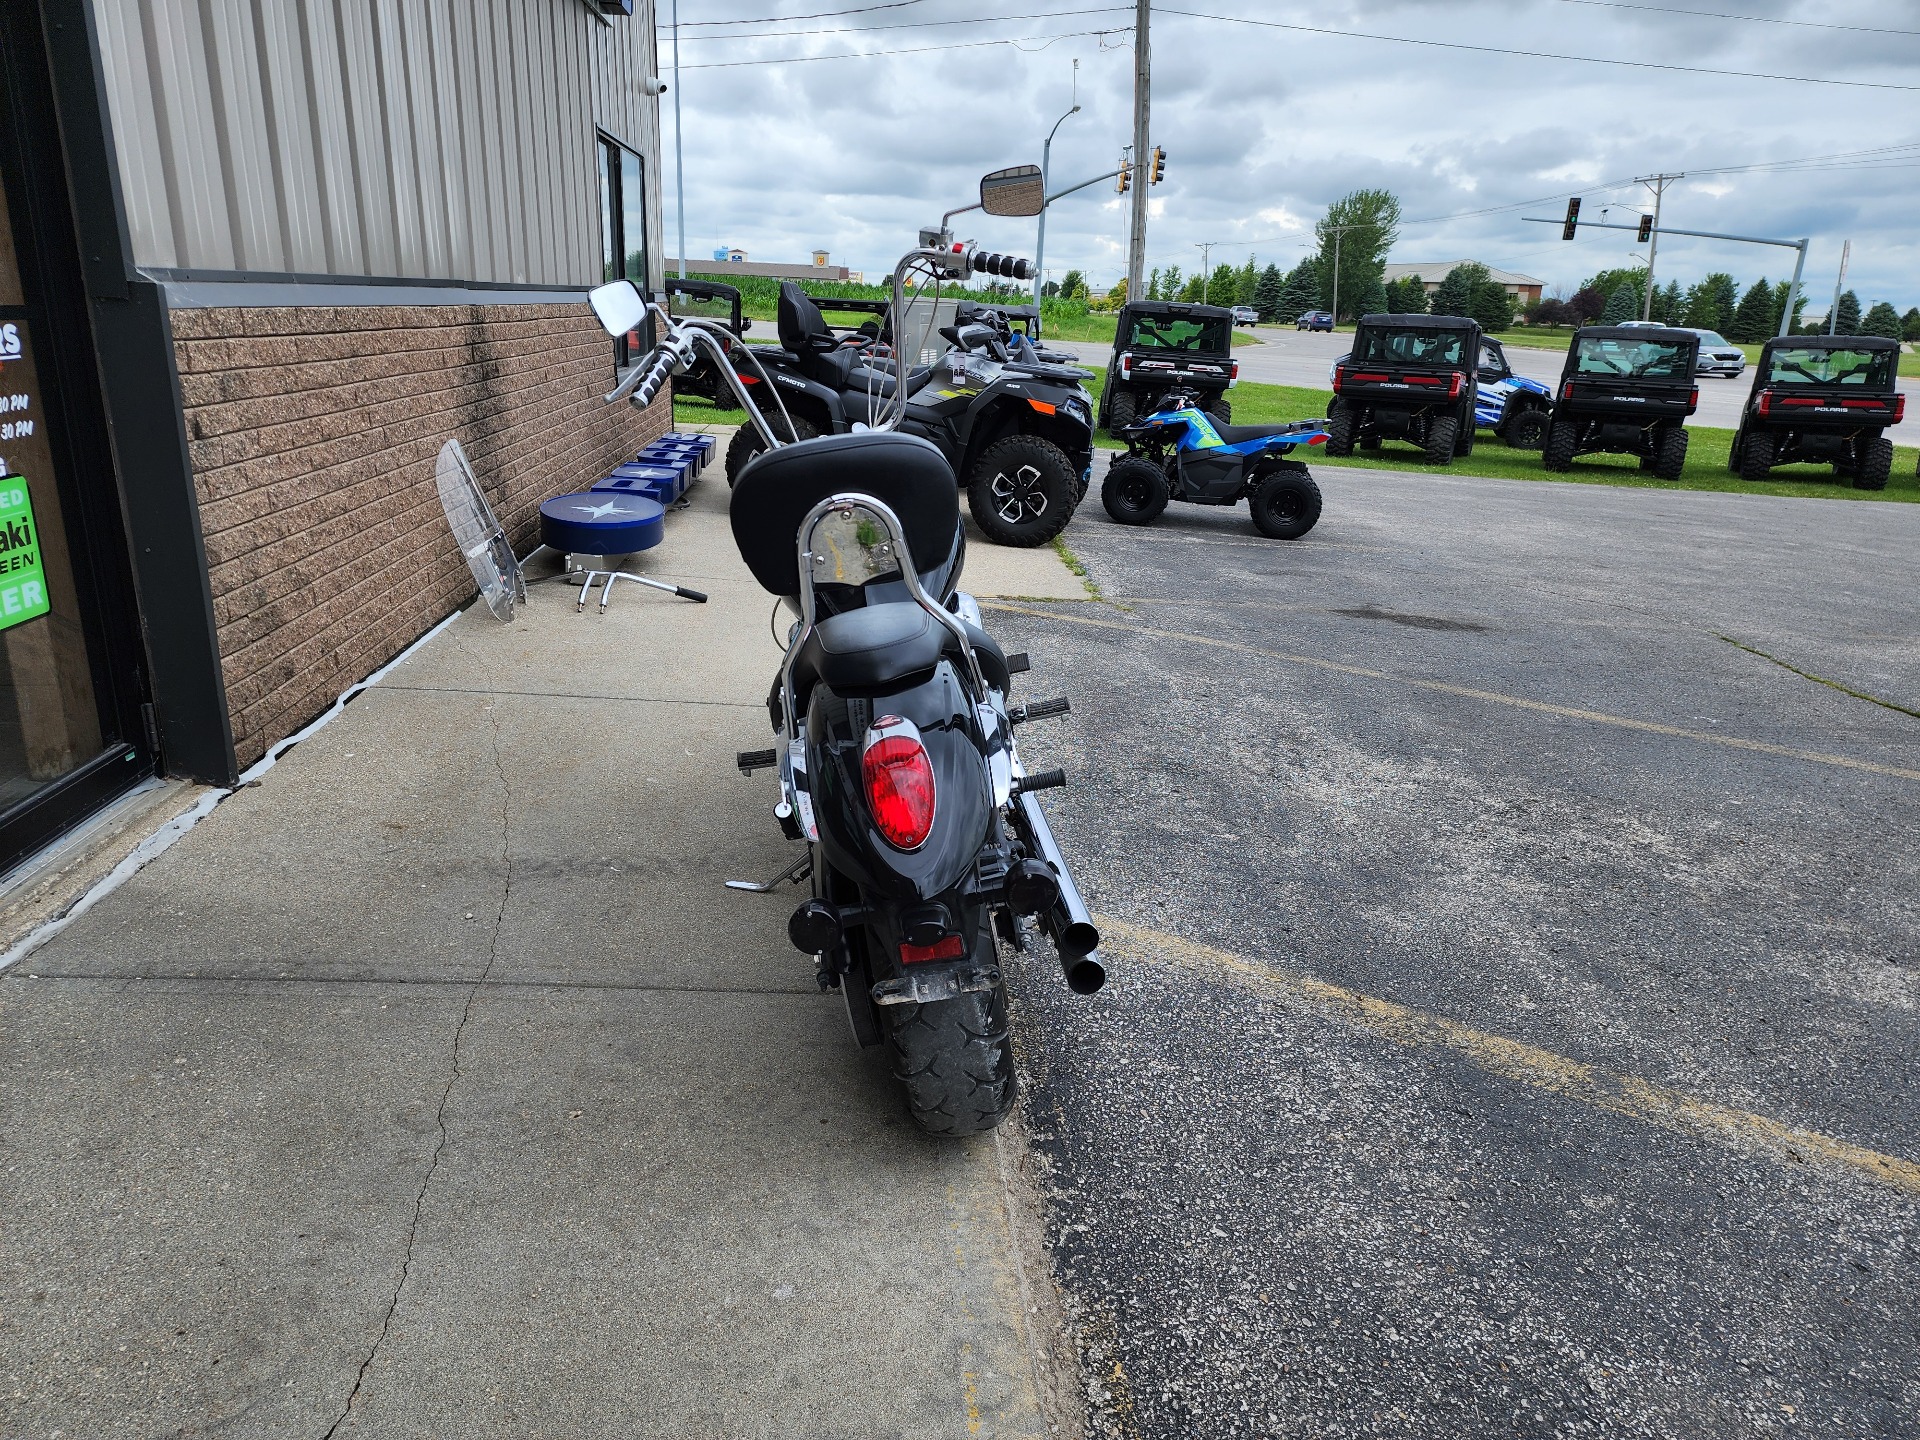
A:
[1265,123]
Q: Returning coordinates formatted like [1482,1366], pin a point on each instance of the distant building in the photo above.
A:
[724,264]
[1523,288]
[727,254]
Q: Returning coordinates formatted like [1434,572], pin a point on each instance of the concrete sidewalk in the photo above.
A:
[434,1086]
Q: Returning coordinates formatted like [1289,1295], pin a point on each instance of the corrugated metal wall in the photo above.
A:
[438,139]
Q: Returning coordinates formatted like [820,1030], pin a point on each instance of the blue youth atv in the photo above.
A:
[1180,452]
[1515,408]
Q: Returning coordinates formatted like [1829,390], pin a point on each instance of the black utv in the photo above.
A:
[1625,390]
[705,300]
[1409,377]
[1822,398]
[1161,346]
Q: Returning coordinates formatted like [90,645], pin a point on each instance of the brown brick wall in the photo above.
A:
[313,433]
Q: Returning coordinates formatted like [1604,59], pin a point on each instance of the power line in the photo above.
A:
[1756,19]
[912,25]
[1017,43]
[821,15]
[1539,54]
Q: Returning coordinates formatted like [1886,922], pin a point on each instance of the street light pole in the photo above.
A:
[679,152]
[1046,156]
[1658,184]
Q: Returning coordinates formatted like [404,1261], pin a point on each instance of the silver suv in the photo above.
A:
[1718,355]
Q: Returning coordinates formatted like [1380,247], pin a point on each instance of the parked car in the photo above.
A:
[1718,355]
[1512,406]
[1245,315]
[1315,320]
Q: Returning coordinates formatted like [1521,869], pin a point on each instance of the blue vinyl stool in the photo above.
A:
[605,524]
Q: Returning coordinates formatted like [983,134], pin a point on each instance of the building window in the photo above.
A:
[623,226]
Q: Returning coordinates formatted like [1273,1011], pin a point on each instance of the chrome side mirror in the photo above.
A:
[619,307]
[1017,190]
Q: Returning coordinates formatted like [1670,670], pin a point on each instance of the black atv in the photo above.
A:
[1013,320]
[1625,390]
[1409,377]
[1160,346]
[1822,398]
[1018,431]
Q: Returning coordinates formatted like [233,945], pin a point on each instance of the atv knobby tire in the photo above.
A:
[1341,424]
[1669,453]
[955,1060]
[1022,491]
[1562,437]
[1122,411]
[1135,490]
[1221,409]
[746,442]
[1443,435]
[1528,429]
[1285,503]
[1876,464]
[1734,452]
[1756,456]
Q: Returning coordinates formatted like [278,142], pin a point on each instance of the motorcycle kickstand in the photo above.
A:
[796,872]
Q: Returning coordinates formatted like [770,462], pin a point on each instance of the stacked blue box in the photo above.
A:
[681,465]
[664,483]
[661,452]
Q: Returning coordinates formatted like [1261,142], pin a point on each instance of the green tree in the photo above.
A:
[1882,320]
[1586,306]
[1710,304]
[1491,306]
[1073,286]
[1222,285]
[1245,282]
[1153,283]
[1267,295]
[1301,291]
[1455,293]
[1407,296]
[1780,304]
[1668,307]
[1622,304]
[1194,289]
[1753,318]
[1634,277]
[1910,324]
[1371,300]
[1170,284]
[1849,315]
[1365,223]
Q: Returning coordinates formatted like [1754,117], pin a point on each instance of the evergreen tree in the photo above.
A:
[1269,293]
[1752,318]
[1491,306]
[1455,294]
[1170,283]
[1634,277]
[1301,291]
[1194,289]
[1622,304]
[1849,317]
[1780,304]
[1710,304]
[1882,320]
[1245,281]
[1371,299]
[1668,307]
[1153,283]
[1910,324]
[1407,296]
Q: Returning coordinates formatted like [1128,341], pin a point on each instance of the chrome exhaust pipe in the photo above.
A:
[1066,921]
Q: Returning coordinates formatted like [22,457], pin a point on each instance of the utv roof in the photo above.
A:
[1834,342]
[1636,332]
[1178,310]
[1422,322]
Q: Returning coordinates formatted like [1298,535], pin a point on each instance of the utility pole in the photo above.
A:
[1205,247]
[1657,184]
[679,153]
[1337,232]
[1142,88]
[1839,284]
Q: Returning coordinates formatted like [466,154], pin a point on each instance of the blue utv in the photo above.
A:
[1180,452]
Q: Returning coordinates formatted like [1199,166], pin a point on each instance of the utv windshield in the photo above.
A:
[1645,359]
[1871,369]
[1166,332]
[1411,347]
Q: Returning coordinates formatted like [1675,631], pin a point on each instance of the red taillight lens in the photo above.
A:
[1234,373]
[1766,402]
[1126,364]
[1339,376]
[1899,407]
[899,780]
[951,948]
[1566,391]
[1694,403]
[1453,390]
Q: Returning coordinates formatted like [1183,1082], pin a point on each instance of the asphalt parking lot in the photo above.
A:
[1513,1020]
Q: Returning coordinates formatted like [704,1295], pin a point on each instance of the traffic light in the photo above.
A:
[1573,218]
[1159,165]
[1646,228]
[1126,177]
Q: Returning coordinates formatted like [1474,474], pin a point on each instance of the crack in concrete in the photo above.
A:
[440,1113]
[1817,679]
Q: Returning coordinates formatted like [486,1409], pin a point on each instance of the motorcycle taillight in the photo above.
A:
[899,780]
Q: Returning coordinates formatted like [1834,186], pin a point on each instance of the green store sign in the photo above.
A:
[23,584]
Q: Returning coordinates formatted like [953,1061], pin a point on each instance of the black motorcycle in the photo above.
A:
[925,843]
[1015,424]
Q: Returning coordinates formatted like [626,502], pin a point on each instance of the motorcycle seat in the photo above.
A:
[860,651]
[1236,434]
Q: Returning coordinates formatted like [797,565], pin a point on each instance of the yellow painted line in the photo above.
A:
[1492,697]
[1541,1069]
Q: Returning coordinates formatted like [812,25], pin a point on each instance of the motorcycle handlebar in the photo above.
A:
[658,368]
[1007,267]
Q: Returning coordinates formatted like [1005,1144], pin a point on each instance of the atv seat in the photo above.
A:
[875,647]
[1235,434]
[804,333]
[864,379]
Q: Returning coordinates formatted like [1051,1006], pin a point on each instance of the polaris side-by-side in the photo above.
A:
[1822,398]
[921,836]
[1411,378]
[1625,390]
[1160,346]
[1514,407]
[1180,452]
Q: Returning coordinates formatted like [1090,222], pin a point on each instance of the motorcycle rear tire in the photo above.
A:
[746,442]
[1026,471]
[954,1058]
